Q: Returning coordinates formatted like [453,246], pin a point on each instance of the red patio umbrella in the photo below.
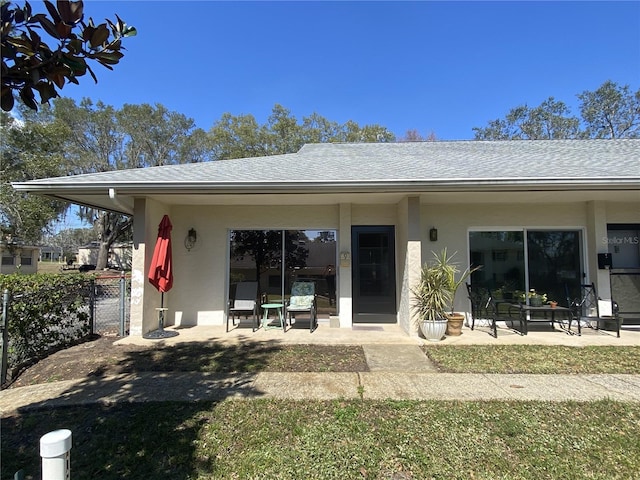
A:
[160,270]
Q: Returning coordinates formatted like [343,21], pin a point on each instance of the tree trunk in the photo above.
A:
[103,256]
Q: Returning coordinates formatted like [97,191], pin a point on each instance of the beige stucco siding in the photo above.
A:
[201,275]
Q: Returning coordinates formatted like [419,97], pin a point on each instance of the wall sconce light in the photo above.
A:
[433,234]
[191,239]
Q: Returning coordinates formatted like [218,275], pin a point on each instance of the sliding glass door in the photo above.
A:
[277,258]
[518,261]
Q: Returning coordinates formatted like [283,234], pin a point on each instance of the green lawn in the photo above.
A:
[355,439]
[534,359]
[337,440]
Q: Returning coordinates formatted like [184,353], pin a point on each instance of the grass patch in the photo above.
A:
[535,359]
[336,440]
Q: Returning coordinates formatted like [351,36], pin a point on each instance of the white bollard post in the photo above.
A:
[56,459]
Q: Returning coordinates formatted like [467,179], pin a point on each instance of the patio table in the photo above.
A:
[527,310]
[265,317]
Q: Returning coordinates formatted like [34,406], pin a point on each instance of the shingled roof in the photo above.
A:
[356,167]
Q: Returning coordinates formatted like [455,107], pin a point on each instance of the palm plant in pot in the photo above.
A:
[432,296]
[435,294]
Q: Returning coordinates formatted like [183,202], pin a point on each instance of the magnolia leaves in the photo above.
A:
[30,66]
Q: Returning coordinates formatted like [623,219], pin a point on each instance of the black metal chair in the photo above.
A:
[594,311]
[482,307]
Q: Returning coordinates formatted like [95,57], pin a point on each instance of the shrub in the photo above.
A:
[45,312]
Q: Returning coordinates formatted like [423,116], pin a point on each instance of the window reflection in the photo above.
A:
[308,255]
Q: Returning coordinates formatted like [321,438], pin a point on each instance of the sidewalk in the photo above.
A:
[396,372]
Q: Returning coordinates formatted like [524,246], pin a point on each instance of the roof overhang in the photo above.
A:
[120,197]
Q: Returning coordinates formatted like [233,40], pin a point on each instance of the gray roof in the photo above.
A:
[355,167]
[389,162]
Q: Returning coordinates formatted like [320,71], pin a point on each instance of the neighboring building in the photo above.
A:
[51,254]
[535,214]
[16,257]
[119,255]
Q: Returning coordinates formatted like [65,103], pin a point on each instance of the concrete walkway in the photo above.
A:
[397,371]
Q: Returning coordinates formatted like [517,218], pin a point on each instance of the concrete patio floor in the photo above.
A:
[367,334]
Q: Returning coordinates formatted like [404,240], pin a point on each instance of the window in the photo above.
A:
[514,262]
[7,260]
[257,255]
[25,261]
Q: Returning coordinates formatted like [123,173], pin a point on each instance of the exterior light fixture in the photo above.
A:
[191,239]
[433,234]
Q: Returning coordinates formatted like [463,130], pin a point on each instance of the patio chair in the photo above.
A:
[481,308]
[303,300]
[594,311]
[244,304]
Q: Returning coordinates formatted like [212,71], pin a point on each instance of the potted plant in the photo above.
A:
[431,298]
[455,278]
[435,294]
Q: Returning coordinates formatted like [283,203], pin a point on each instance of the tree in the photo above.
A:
[265,248]
[70,239]
[136,136]
[550,120]
[29,149]
[611,111]
[414,136]
[242,136]
[30,65]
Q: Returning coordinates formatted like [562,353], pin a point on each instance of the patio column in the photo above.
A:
[597,243]
[138,277]
[345,293]
[410,256]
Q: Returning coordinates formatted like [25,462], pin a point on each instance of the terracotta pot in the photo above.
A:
[454,324]
[553,304]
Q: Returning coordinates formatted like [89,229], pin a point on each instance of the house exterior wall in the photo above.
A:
[455,221]
[201,280]
[19,259]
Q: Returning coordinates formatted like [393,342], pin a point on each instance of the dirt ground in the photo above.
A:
[100,357]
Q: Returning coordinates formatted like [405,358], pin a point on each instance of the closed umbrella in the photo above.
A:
[160,271]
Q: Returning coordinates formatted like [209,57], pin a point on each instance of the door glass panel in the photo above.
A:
[501,255]
[308,255]
[311,256]
[374,285]
[554,263]
[256,255]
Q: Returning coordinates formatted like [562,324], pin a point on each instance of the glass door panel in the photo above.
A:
[257,255]
[501,255]
[311,256]
[374,282]
[554,263]
[549,262]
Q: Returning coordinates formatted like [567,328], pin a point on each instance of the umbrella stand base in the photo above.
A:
[158,334]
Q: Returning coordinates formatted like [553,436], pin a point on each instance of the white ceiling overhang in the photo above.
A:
[120,196]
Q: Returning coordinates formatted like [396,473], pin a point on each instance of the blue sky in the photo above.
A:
[441,67]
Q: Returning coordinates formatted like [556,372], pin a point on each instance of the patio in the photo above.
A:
[367,334]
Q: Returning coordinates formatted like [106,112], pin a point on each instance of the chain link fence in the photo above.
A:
[34,324]
[111,305]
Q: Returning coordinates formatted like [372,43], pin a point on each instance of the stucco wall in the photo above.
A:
[455,221]
[201,275]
